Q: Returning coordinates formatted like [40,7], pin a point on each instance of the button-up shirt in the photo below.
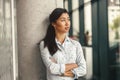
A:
[69,52]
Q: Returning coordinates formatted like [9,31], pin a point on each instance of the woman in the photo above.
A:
[62,56]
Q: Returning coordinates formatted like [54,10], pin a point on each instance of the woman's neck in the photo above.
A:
[60,37]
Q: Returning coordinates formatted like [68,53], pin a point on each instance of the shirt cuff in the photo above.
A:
[62,68]
[75,77]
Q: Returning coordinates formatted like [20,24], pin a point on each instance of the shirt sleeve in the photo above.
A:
[54,68]
[81,69]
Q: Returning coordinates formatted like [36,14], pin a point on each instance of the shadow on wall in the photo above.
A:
[42,33]
[42,68]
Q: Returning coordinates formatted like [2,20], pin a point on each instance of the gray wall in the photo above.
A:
[32,21]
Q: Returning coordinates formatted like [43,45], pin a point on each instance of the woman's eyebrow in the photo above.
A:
[65,18]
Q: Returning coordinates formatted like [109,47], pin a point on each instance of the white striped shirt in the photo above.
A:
[70,52]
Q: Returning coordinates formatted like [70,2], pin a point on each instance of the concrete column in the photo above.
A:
[32,21]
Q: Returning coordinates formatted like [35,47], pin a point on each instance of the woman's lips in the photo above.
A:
[67,28]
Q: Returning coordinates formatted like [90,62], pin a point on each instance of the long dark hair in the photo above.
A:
[49,40]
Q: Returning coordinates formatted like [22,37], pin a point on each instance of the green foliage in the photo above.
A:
[116,23]
[115,26]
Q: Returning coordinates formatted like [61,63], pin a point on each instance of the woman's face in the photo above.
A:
[62,24]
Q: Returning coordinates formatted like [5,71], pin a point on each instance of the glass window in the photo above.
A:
[88,25]
[114,39]
[75,19]
[118,2]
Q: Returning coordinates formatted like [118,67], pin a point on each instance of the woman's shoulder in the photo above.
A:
[41,44]
[74,42]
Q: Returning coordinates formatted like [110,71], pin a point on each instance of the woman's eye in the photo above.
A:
[63,20]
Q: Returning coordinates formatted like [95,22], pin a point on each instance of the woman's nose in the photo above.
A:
[67,22]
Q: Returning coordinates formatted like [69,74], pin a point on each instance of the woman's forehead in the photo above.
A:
[64,15]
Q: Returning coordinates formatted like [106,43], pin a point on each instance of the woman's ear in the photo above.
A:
[53,24]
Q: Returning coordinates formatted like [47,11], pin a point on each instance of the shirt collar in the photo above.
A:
[67,39]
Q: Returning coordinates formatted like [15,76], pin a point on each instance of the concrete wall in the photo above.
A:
[32,21]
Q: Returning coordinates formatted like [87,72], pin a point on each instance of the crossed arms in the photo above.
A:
[70,70]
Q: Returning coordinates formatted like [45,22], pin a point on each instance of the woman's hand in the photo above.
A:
[70,66]
[68,69]
[69,74]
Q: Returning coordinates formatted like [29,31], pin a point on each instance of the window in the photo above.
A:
[117,2]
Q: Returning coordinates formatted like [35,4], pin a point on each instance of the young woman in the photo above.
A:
[62,56]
